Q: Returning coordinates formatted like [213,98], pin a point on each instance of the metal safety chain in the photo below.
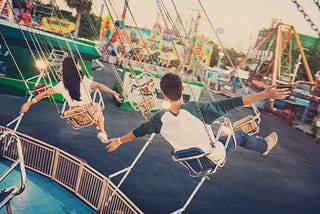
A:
[307,17]
[162,7]
[317,3]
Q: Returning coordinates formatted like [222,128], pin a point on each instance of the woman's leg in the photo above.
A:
[102,135]
[100,122]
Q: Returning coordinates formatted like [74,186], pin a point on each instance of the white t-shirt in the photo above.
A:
[186,129]
[85,90]
[191,134]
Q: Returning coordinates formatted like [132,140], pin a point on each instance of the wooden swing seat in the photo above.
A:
[247,124]
[146,104]
[79,117]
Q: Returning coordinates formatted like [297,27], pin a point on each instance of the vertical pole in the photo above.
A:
[101,11]
[124,11]
[303,57]
[4,2]
[10,11]
[276,60]
[296,69]
[276,56]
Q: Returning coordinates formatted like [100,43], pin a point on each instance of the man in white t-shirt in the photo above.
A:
[182,127]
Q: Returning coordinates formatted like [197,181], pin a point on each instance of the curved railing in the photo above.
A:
[9,193]
[77,176]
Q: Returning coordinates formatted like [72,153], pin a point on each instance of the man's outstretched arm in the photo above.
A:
[270,92]
[114,143]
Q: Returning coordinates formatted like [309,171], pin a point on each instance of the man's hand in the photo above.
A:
[112,144]
[272,92]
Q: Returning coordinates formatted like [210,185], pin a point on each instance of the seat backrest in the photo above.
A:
[196,161]
[79,117]
[146,104]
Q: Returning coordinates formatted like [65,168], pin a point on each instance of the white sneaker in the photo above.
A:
[103,137]
[272,140]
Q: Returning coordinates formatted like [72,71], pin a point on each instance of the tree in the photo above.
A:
[215,55]
[81,7]
[234,56]
[313,56]
[90,26]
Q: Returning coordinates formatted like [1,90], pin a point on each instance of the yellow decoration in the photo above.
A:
[58,25]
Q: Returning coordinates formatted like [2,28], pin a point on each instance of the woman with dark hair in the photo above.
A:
[75,89]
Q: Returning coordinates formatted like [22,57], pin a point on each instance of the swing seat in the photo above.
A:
[146,104]
[247,124]
[79,117]
[83,116]
[196,161]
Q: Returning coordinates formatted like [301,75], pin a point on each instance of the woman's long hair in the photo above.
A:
[72,77]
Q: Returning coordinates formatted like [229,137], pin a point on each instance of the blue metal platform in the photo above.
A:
[42,195]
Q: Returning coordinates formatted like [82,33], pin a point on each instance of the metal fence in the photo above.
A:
[71,172]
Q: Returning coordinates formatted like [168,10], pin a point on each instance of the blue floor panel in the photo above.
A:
[41,195]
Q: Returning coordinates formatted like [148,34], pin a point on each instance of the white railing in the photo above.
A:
[71,172]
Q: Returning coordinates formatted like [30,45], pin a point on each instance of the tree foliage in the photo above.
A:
[90,26]
[313,59]
[81,6]
[234,56]
[215,55]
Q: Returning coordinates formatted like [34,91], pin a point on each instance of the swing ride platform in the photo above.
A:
[285,181]
[42,195]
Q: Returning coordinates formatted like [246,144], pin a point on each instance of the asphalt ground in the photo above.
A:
[285,181]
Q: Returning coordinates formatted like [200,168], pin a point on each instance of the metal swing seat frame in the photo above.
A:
[250,123]
[81,117]
[197,162]
[148,94]
[194,159]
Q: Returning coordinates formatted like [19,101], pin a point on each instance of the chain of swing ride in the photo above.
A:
[255,110]
[306,16]
[35,41]
[117,31]
[165,14]
[40,50]
[162,7]
[37,46]
[144,43]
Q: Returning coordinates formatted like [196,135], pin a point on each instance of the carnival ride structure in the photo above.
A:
[196,162]
[272,56]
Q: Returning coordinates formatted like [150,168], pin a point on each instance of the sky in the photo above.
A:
[240,19]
